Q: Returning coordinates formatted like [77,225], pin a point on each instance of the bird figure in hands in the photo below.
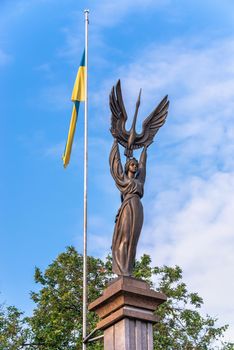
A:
[131,140]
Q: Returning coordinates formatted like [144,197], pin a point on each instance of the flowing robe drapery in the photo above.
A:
[129,219]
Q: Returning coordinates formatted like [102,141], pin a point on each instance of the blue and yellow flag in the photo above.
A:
[78,95]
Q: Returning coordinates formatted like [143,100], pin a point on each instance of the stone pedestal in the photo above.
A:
[126,311]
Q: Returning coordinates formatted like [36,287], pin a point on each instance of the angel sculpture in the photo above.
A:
[130,181]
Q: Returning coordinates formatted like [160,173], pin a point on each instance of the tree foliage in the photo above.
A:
[14,332]
[57,320]
[56,323]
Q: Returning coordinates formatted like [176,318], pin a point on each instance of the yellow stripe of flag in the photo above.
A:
[78,95]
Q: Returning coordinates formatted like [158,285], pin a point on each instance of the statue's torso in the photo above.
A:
[132,186]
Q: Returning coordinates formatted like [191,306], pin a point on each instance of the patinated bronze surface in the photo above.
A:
[130,181]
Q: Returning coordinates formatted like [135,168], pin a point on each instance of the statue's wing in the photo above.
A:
[118,115]
[152,124]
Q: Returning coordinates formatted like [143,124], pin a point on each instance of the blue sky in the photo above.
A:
[181,48]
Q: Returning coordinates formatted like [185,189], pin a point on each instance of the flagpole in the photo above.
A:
[86,13]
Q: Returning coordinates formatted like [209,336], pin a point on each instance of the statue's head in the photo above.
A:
[131,165]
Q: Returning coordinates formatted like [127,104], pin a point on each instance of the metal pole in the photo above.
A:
[86,13]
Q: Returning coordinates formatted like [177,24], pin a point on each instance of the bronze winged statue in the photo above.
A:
[130,180]
[130,140]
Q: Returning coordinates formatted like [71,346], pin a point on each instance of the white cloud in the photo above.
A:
[192,226]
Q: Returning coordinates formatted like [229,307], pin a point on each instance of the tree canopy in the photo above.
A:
[56,322]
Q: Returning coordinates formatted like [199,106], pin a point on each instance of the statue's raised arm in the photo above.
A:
[116,168]
[142,166]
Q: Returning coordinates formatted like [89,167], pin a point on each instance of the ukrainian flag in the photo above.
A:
[78,95]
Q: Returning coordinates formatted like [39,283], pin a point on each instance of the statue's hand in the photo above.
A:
[148,144]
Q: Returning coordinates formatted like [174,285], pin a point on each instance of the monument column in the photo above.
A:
[126,312]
